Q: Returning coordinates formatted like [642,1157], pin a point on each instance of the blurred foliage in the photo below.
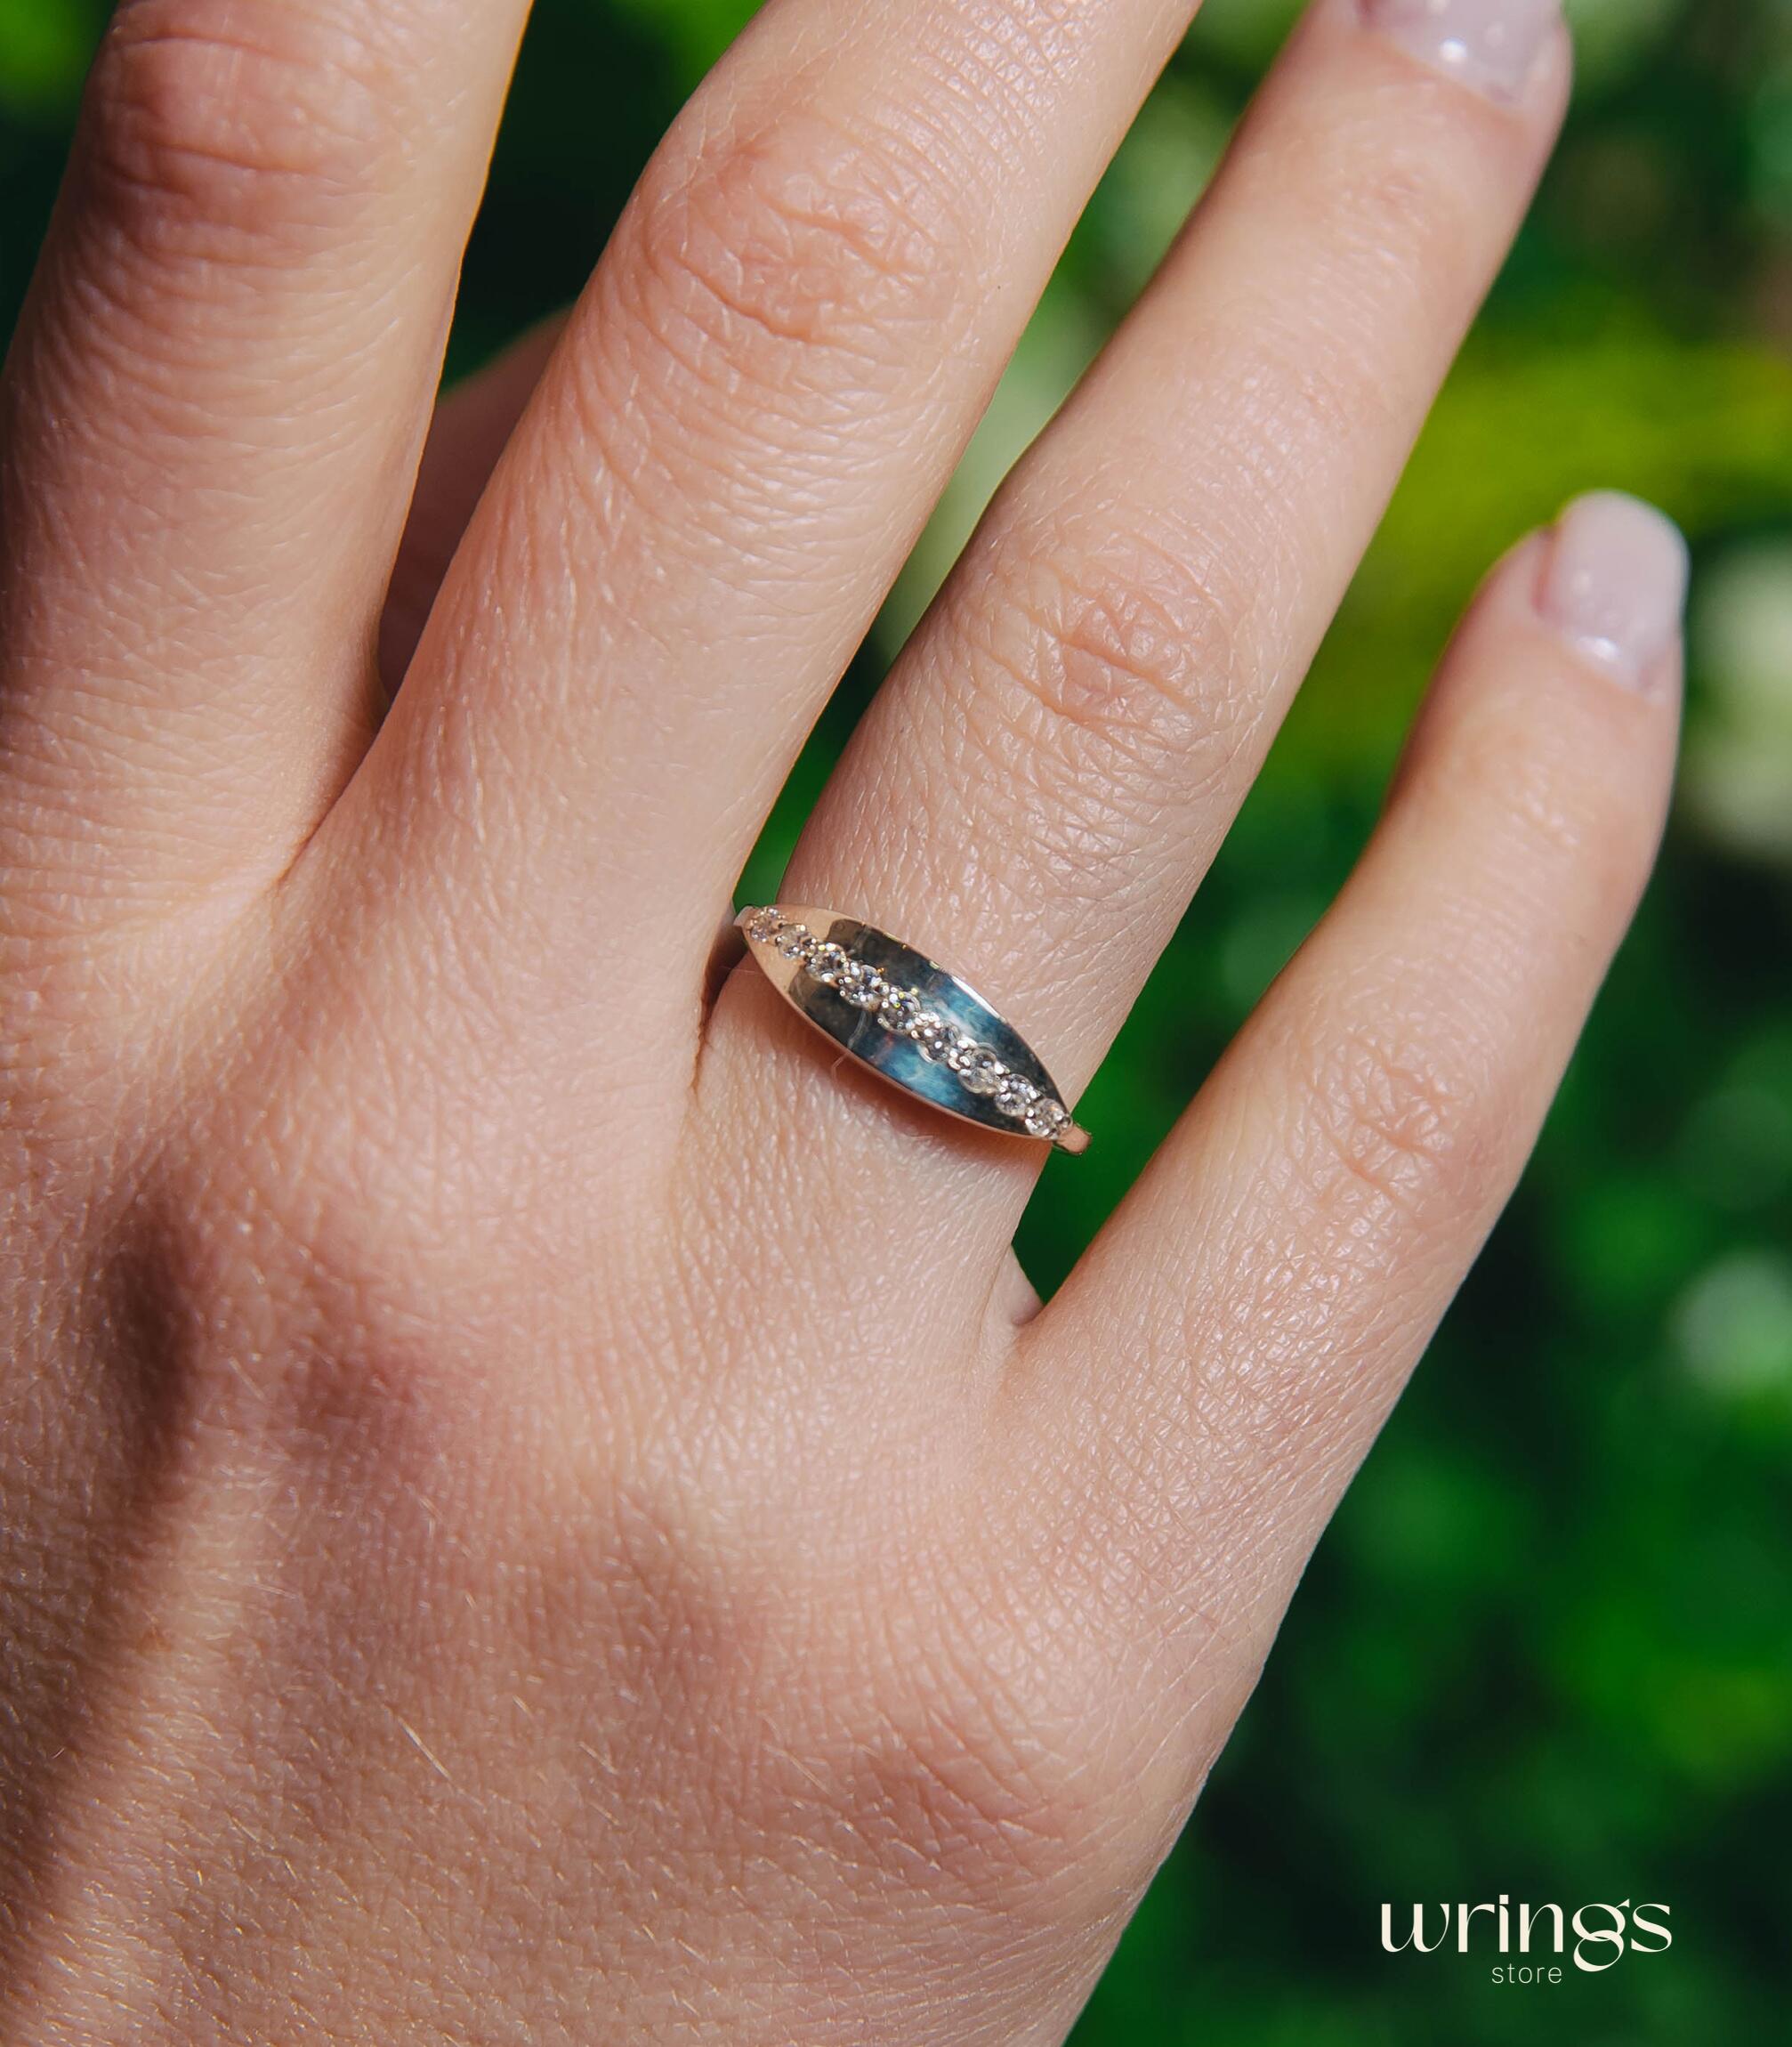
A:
[1547,1648]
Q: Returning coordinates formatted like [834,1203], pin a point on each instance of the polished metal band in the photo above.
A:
[908,1019]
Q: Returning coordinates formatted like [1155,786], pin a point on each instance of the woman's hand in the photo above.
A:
[537,1504]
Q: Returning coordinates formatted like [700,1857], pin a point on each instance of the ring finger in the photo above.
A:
[745,425]
[1037,792]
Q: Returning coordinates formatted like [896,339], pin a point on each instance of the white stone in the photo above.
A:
[901,1011]
[980,1071]
[937,1037]
[862,985]
[1014,1096]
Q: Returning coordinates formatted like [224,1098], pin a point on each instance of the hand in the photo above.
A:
[537,1504]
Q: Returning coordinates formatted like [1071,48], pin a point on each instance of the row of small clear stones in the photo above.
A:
[903,1011]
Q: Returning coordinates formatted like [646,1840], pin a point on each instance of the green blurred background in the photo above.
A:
[1547,1648]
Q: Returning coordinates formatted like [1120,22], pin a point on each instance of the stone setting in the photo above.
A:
[901,1011]
[904,1013]
[862,985]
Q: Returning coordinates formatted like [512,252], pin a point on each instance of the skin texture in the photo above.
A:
[532,1507]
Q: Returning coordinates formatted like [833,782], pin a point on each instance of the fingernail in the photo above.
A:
[1614,584]
[1491,45]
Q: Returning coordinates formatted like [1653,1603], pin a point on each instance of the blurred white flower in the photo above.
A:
[1739,759]
[1733,1326]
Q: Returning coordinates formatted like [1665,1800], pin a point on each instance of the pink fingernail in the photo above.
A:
[1491,45]
[1615,584]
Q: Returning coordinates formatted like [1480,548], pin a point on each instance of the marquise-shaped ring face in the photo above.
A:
[906,1018]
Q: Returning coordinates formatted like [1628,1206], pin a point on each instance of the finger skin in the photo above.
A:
[1057,759]
[467,436]
[1034,796]
[1199,1394]
[213,412]
[749,417]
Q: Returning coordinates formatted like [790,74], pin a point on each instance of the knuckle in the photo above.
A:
[1107,679]
[1406,219]
[1314,399]
[801,258]
[1389,1128]
[976,1815]
[1400,216]
[1412,203]
[216,129]
[995,1761]
[1570,810]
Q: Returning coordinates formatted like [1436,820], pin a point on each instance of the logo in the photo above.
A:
[1592,1938]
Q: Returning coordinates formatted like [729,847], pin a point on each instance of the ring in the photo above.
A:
[910,1021]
